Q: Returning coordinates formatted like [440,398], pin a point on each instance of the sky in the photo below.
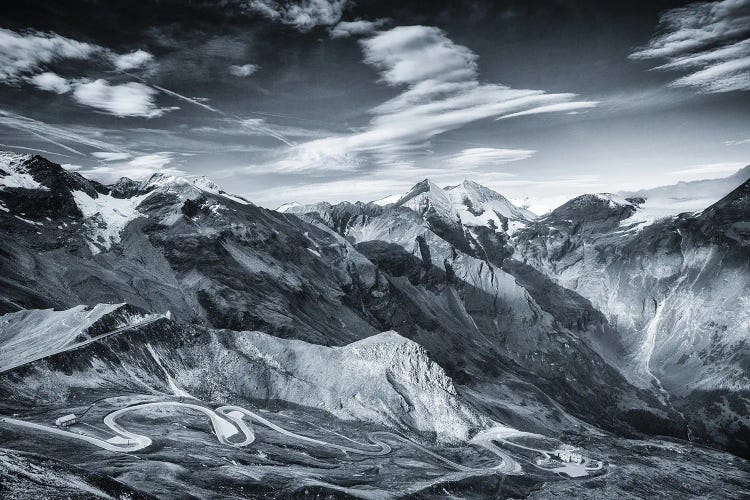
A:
[334,100]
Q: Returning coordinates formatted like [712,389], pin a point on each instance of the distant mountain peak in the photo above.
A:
[468,183]
[743,174]
[423,186]
[426,195]
[204,182]
[481,198]
[158,180]
[288,207]
[125,187]
[14,173]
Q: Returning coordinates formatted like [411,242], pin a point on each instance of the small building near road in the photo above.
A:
[569,456]
[66,420]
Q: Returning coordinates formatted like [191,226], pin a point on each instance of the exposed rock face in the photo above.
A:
[36,188]
[384,379]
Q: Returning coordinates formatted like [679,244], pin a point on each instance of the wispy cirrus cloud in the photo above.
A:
[115,160]
[710,168]
[302,14]
[58,135]
[34,150]
[442,92]
[707,40]
[570,107]
[259,127]
[107,156]
[487,157]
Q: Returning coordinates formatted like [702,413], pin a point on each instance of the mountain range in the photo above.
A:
[440,314]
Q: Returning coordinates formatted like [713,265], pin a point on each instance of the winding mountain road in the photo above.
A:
[229,421]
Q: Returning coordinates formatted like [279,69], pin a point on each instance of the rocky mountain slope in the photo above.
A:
[668,293]
[478,309]
[676,290]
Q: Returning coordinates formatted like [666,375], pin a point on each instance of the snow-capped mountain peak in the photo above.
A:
[424,196]
[14,174]
[206,184]
[190,188]
[481,198]
[163,181]
[288,207]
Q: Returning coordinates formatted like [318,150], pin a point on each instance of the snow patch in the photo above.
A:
[205,184]
[27,221]
[612,200]
[388,200]
[469,204]
[14,174]
[162,181]
[107,217]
